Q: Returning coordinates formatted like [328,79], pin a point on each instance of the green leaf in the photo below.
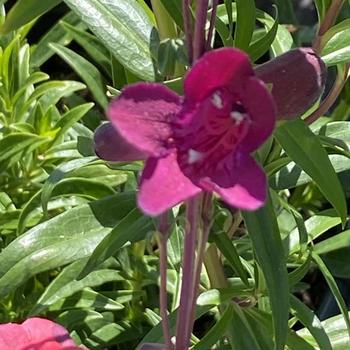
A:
[123,27]
[69,119]
[66,284]
[93,46]
[175,11]
[25,11]
[336,330]
[337,48]
[308,318]
[263,231]
[286,12]
[245,24]
[87,71]
[68,237]
[41,52]
[84,299]
[230,253]
[87,188]
[58,174]
[217,331]
[338,241]
[16,144]
[133,227]
[244,336]
[334,289]
[260,318]
[315,226]
[305,149]
[261,46]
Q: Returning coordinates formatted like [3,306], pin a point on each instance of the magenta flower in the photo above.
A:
[35,334]
[202,141]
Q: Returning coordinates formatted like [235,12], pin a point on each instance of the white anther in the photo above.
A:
[194,156]
[237,117]
[173,340]
[217,100]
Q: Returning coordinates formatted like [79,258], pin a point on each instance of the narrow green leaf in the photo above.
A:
[66,284]
[135,225]
[316,225]
[93,46]
[69,119]
[68,237]
[58,174]
[217,331]
[85,299]
[25,11]
[16,144]
[261,46]
[340,240]
[334,289]
[175,10]
[263,231]
[285,9]
[305,149]
[123,27]
[243,336]
[82,187]
[245,24]
[308,318]
[230,253]
[87,71]
[336,330]
[41,52]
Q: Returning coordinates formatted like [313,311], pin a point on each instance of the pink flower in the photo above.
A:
[202,141]
[35,334]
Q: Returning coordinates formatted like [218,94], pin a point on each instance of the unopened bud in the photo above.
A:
[111,146]
[297,78]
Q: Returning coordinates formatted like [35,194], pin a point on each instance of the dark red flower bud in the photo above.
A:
[297,77]
[110,146]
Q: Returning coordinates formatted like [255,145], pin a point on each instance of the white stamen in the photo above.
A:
[217,100]
[194,156]
[237,117]
[173,340]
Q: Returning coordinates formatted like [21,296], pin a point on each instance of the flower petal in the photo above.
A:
[110,146]
[12,336]
[262,112]
[241,184]
[47,334]
[163,185]
[216,69]
[143,113]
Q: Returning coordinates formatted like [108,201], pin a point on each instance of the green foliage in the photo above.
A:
[74,245]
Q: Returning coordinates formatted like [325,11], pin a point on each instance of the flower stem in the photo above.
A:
[207,220]
[163,262]
[199,42]
[184,322]
[212,24]
[331,97]
[188,28]
[328,21]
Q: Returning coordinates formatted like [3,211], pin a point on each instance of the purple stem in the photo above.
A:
[212,24]
[163,263]
[331,97]
[188,28]
[199,42]
[183,327]
[328,21]
[207,220]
